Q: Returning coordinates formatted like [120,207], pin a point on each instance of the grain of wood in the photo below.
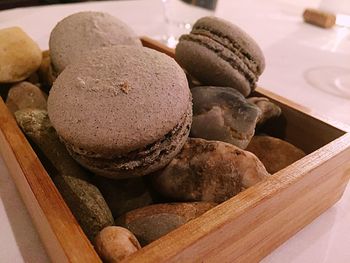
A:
[308,187]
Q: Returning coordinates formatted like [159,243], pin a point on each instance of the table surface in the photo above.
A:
[305,64]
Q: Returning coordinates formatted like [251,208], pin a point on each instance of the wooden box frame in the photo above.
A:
[245,228]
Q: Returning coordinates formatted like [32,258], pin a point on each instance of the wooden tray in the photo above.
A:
[245,228]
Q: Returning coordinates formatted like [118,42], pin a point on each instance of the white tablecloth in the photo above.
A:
[295,53]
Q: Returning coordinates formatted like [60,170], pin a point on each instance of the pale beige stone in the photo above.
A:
[20,56]
[115,243]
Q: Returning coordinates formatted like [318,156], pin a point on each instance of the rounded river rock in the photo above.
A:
[210,171]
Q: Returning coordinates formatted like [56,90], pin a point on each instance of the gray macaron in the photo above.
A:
[80,33]
[218,53]
[122,111]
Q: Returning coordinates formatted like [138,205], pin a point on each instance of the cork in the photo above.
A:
[319,18]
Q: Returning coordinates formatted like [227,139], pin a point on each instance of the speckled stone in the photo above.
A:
[152,222]
[223,114]
[274,153]
[219,53]
[83,198]
[209,171]
[20,56]
[80,33]
[122,111]
[114,243]
[25,95]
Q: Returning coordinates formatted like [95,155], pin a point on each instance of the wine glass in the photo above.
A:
[179,16]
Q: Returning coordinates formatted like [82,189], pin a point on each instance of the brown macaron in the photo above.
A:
[122,111]
[78,34]
[219,53]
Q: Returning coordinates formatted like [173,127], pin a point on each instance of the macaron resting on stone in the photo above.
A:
[218,53]
[122,111]
[80,33]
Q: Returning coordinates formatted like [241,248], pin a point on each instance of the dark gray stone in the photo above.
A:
[223,114]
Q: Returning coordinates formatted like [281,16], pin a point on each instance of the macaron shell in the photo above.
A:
[209,68]
[117,100]
[80,33]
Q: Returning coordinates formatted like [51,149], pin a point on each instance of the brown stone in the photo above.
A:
[209,171]
[151,222]
[274,153]
[25,95]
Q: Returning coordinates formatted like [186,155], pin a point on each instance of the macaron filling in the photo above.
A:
[230,44]
[231,56]
[141,161]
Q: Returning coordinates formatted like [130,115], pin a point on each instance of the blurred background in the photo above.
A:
[7,4]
